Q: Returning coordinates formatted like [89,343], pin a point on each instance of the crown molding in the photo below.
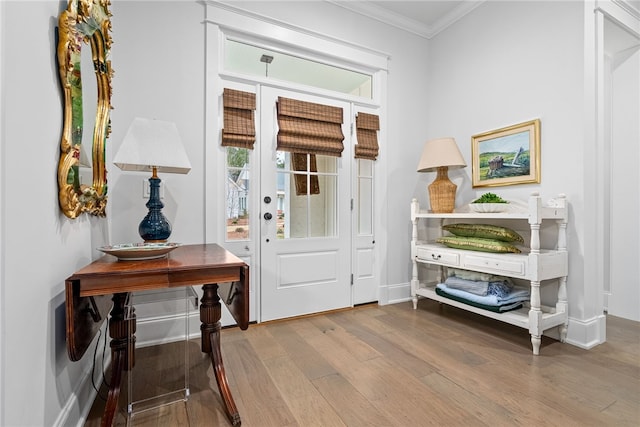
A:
[453,16]
[628,7]
[623,12]
[402,22]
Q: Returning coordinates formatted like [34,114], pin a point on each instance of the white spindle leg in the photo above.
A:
[535,317]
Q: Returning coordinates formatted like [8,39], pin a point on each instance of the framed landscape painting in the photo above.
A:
[506,156]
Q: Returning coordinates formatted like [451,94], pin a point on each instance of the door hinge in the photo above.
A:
[351,279]
[351,128]
[351,204]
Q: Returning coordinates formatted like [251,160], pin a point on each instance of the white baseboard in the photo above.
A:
[588,333]
[76,411]
[72,410]
[393,294]
[165,329]
[169,325]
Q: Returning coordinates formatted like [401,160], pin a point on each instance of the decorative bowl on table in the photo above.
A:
[139,251]
[489,203]
[488,207]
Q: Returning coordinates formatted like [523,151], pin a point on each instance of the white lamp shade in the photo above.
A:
[440,152]
[152,143]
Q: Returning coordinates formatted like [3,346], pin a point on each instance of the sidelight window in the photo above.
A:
[238,136]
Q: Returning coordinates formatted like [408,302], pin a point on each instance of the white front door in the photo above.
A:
[305,217]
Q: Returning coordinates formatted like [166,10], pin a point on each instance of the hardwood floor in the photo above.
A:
[393,366]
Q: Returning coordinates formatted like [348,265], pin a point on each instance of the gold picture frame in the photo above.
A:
[88,23]
[506,156]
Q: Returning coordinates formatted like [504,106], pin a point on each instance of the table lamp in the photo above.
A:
[440,155]
[153,146]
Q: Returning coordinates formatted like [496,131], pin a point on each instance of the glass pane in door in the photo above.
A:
[365,197]
[307,194]
[237,194]
[323,208]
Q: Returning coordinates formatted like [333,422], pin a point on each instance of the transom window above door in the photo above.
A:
[249,59]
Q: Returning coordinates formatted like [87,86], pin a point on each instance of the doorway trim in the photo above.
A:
[223,20]
[591,330]
[627,20]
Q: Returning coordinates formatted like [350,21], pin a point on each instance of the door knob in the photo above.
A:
[268,216]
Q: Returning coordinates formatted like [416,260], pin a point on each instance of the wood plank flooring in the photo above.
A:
[393,366]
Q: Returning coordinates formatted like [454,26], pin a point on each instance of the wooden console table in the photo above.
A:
[106,284]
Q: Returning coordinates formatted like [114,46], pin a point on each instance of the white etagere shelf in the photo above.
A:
[534,264]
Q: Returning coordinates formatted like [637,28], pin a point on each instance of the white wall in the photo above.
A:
[158,57]
[500,66]
[2,182]
[40,246]
[624,298]
[506,63]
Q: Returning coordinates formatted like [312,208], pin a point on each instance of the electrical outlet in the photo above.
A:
[146,189]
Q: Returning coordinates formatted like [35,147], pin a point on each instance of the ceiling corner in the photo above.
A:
[387,15]
[456,14]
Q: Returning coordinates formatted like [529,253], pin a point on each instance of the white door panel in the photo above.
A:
[305,236]
[301,269]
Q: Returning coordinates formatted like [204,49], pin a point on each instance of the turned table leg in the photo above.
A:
[210,332]
[122,328]
[535,318]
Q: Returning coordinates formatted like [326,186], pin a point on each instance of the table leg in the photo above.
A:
[210,330]
[122,328]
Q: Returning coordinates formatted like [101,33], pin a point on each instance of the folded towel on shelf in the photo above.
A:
[476,275]
[469,275]
[496,309]
[516,295]
[477,287]
[497,287]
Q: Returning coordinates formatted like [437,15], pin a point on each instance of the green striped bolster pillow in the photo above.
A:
[478,244]
[485,231]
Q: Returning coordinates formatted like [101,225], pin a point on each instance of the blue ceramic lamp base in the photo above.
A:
[154,227]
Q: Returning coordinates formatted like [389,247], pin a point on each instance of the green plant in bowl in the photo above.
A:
[490,198]
[488,203]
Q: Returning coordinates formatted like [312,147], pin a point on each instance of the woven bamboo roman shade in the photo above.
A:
[367,126]
[239,124]
[306,127]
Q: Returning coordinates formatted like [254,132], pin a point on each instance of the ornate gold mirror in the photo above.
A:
[84,22]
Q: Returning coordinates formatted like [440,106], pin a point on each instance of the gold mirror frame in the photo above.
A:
[84,21]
